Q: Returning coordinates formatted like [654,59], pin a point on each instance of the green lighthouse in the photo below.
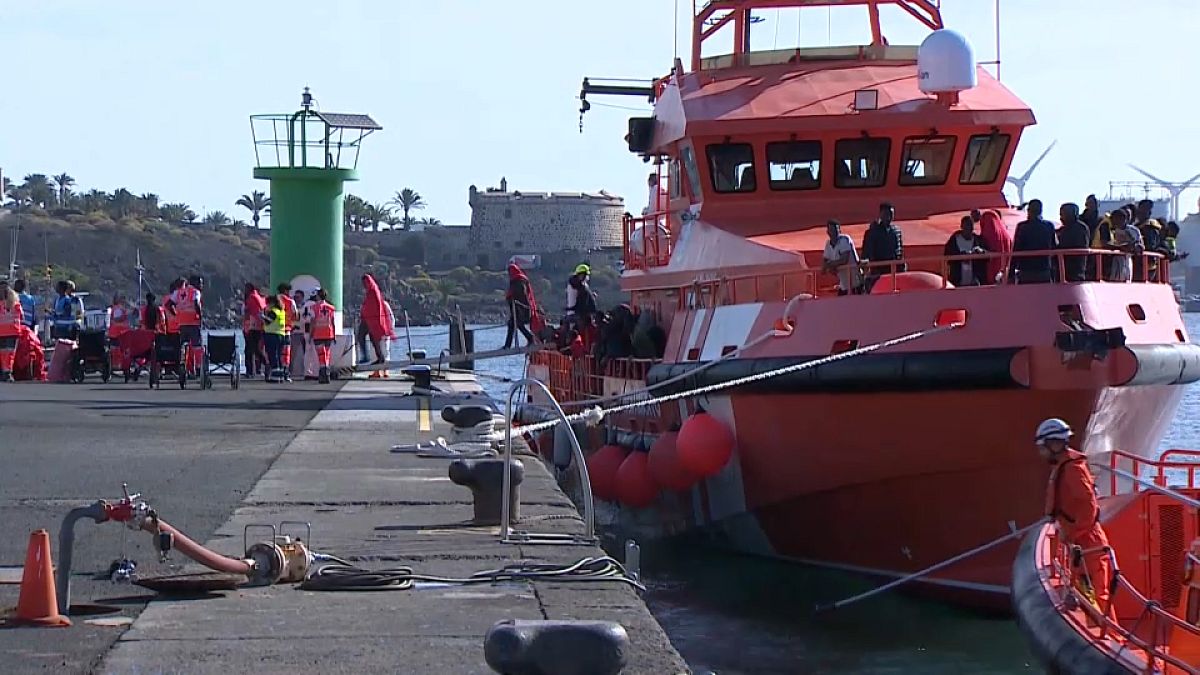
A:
[308,156]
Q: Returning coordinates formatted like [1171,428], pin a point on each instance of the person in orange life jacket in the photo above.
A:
[321,326]
[291,318]
[186,304]
[120,315]
[253,305]
[11,318]
[1071,501]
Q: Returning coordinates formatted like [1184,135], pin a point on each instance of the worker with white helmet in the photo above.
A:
[1071,501]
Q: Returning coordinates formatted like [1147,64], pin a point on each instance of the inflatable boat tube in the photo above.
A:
[1054,642]
[1165,364]
[893,371]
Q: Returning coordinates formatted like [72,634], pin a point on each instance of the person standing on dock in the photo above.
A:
[153,318]
[299,336]
[11,318]
[253,306]
[275,335]
[375,321]
[522,307]
[1072,503]
[68,312]
[291,319]
[186,306]
[28,303]
[321,326]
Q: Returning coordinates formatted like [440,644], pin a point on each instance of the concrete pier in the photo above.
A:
[379,509]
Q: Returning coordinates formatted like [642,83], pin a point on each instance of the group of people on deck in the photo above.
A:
[584,329]
[1128,232]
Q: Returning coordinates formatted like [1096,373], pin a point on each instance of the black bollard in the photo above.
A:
[422,376]
[518,647]
[485,478]
[466,416]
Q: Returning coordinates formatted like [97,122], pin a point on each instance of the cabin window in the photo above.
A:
[861,162]
[692,171]
[926,160]
[985,155]
[674,180]
[794,165]
[732,167]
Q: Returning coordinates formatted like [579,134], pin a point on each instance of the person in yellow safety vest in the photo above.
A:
[120,314]
[274,337]
[323,330]
[11,316]
[291,318]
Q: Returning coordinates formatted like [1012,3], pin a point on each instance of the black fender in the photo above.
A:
[1054,642]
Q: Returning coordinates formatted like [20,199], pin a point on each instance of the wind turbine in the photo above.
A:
[1174,189]
[1022,180]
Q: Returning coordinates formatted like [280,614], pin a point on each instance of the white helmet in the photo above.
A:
[1053,429]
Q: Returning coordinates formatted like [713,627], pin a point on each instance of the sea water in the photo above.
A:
[739,615]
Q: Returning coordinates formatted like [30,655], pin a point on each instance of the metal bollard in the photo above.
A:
[485,478]
[466,416]
[518,647]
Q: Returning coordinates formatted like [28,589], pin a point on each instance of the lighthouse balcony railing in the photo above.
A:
[1146,268]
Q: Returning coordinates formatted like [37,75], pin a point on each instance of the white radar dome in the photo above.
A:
[945,63]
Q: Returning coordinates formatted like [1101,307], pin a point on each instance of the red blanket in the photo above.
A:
[30,362]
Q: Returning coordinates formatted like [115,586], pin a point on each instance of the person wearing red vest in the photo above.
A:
[253,305]
[119,316]
[1071,502]
[185,304]
[291,317]
[11,318]
[171,323]
[323,329]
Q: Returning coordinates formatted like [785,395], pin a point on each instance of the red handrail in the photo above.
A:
[1164,463]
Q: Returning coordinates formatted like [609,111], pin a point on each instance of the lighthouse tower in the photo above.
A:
[308,156]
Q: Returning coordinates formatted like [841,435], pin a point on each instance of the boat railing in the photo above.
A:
[576,380]
[647,240]
[813,282]
[1153,639]
[1164,471]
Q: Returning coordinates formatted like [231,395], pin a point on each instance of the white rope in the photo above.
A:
[593,416]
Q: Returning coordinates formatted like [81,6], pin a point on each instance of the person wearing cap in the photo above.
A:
[581,302]
[1071,502]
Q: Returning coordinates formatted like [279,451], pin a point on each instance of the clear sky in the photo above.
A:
[155,96]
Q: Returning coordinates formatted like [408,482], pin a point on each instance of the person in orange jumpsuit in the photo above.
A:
[1071,501]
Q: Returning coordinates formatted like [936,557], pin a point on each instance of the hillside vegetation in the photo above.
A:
[100,254]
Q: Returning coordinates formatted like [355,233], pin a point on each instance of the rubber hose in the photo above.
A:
[207,557]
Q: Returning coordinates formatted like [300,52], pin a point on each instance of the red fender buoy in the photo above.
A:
[602,468]
[664,464]
[704,445]
[909,281]
[635,487]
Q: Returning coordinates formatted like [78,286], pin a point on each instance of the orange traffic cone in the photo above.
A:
[38,604]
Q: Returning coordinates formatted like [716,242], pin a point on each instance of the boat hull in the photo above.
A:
[901,481]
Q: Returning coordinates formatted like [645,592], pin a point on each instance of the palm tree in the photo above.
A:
[93,200]
[255,202]
[392,220]
[408,200]
[64,183]
[352,210]
[216,218]
[176,213]
[430,222]
[147,205]
[41,192]
[121,203]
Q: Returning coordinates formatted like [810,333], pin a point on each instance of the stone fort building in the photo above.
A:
[506,223]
